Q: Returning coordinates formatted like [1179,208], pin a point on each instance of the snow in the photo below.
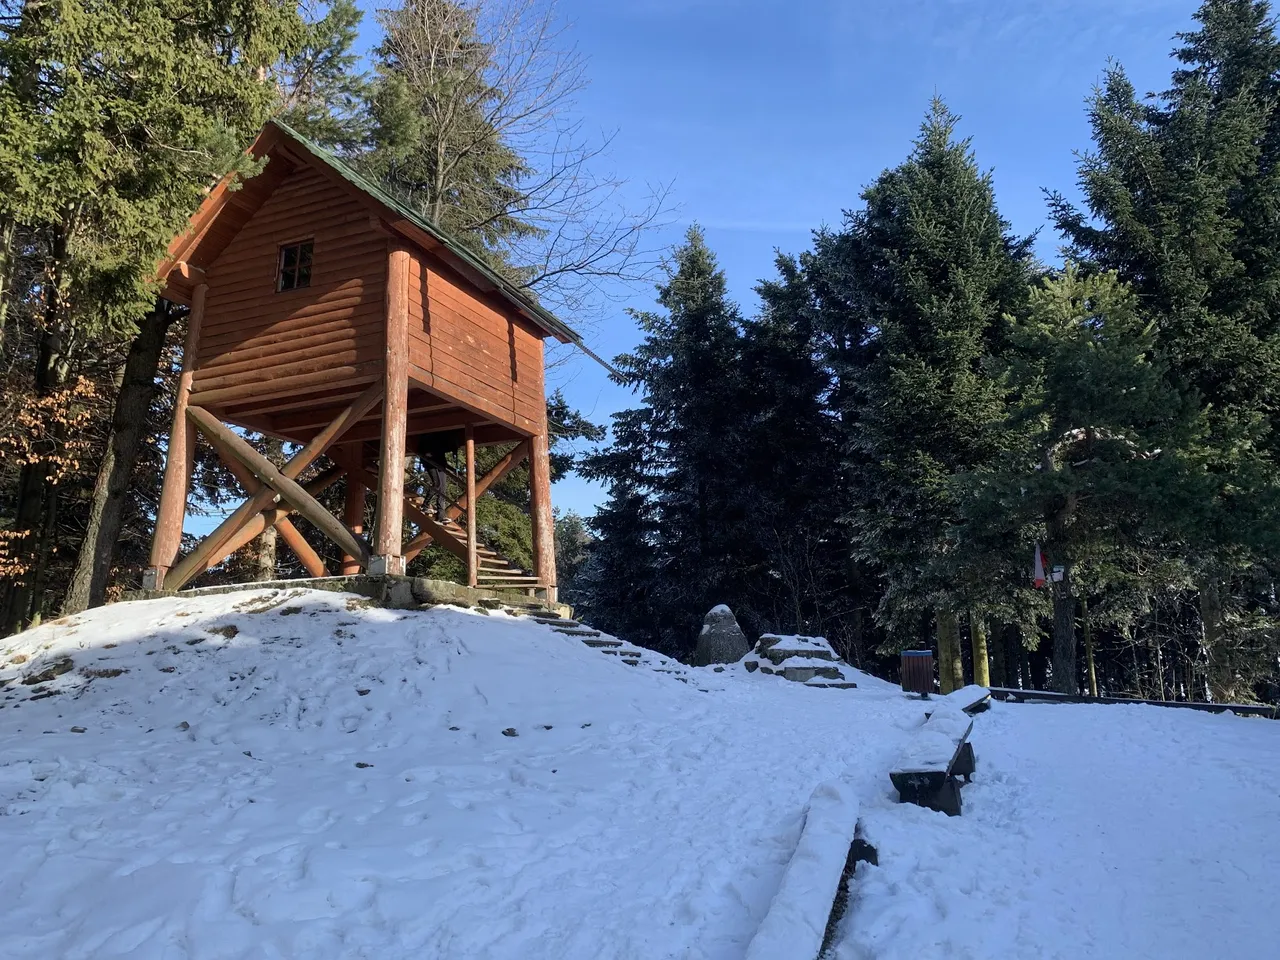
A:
[292,774]
[964,697]
[797,917]
[935,743]
[796,644]
[1106,832]
[632,816]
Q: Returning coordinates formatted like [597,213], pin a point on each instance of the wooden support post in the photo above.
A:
[431,529]
[203,557]
[289,489]
[180,459]
[388,557]
[353,508]
[500,469]
[544,525]
[473,566]
[294,540]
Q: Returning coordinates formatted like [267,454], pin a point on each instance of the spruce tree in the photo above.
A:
[1180,191]
[1104,469]
[323,92]
[931,270]
[674,460]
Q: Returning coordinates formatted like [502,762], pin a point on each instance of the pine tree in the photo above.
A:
[1104,468]
[323,93]
[113,123]
[674,461]
[434,139]
[930,269]
[1181,191]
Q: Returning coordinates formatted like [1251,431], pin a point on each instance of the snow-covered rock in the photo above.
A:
[721,639]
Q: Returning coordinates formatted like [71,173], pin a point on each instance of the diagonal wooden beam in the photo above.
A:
[289,489]
[499,470]
[198,561]
[430,527]
[288,532]
[273,515]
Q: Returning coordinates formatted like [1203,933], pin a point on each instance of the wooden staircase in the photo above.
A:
[493,569]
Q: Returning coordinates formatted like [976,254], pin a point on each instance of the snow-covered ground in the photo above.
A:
[295,775]
[1099,832]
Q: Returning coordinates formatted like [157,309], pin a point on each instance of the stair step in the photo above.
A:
[555,621]
[600,642]
[636,654]
[577,631]
[504,578]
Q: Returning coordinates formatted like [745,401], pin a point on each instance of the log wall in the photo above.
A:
[474,349]
[258,343]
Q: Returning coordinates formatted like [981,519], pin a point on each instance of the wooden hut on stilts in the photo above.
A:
[327,314]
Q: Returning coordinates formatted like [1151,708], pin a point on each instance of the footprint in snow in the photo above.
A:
[317,819]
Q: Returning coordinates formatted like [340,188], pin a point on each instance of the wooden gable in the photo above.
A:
[259,343]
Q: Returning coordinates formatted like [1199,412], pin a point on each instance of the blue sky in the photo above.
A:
[769,116]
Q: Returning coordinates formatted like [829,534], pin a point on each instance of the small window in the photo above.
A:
[295,267]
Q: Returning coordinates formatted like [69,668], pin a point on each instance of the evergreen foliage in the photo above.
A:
[934,273]
[872,455]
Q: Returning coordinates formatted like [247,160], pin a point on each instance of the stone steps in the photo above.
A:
[598,641]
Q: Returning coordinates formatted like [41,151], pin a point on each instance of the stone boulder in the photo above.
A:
[721,639]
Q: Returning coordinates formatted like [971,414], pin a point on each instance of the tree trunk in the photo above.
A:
[268,552]
[111,488]
[266,559]
[35,509]
[8,231]
[1088,647]
[978,633]
[1064,636]
[1036,664]
[950,667]
[1211,632]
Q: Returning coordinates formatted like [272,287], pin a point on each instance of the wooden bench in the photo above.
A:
[971,700]
[928,772]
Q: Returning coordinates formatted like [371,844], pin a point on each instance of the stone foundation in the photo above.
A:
[394,592]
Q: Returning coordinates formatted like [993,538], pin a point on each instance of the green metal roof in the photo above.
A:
[509,291]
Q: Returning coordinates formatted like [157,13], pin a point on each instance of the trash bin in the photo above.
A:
[917,671]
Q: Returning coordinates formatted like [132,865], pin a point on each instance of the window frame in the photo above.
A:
[308,245]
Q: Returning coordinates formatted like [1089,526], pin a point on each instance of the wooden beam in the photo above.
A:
[199,560]
[353,506]
[336,398]
[421,423]
[544,525]
[499,470]
[287,488]
[321,415]
[180,457]
[294,540]
[431,528]
[472,565]
[273,515]
[395,402]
